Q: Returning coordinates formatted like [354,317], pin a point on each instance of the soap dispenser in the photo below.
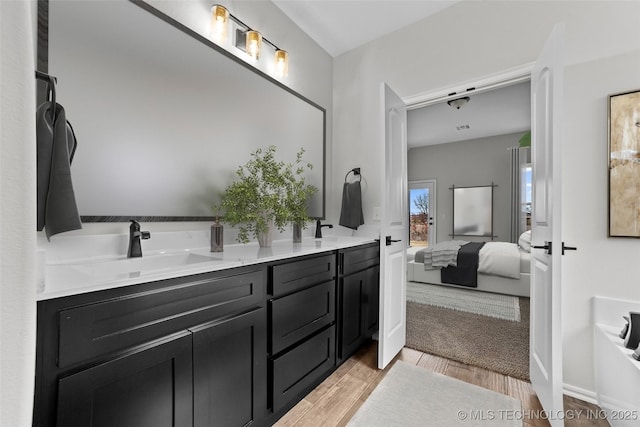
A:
[217,234]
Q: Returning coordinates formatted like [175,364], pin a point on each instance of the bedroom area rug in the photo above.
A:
[475,339]
[412,396]
[485,303]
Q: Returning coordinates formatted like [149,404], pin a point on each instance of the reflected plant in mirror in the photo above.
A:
[269,193]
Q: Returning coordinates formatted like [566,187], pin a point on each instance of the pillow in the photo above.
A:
[525,241]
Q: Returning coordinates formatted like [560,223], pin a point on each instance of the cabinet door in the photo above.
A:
[151,387]
[351,314]
[371,300]
[230,373]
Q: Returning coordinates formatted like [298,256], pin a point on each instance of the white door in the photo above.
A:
[394,227]
[422,213]
[546,126]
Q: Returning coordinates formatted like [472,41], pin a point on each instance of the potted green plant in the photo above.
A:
[268,193]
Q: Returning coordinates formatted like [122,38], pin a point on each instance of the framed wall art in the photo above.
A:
[624,164]
[473,211]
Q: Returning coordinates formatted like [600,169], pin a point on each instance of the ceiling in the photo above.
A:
[496,112]
[342,25]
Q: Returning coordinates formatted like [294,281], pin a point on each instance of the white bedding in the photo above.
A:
[496,258]
[496,269]
[500,259]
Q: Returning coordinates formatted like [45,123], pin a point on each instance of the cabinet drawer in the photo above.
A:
[104,327]
[290,277]
[298,315]
[359,259]
[302,367]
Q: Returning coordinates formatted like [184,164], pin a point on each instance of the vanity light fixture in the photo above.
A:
[458,103]
[219,23]
[282,63]
[249,40]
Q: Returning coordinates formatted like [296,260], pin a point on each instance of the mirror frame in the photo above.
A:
[43,66]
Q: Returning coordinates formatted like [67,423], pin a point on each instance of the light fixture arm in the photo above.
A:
[248,28]
[247,39]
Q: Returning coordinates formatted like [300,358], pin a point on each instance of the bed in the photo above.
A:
[503,268]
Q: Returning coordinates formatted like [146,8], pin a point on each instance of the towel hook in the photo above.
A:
[356,172]
[51,90]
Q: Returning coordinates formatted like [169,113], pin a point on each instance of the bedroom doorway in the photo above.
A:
[422,213]
[475,336]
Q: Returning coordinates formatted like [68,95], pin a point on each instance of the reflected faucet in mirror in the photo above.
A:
[135,247]
[319,228]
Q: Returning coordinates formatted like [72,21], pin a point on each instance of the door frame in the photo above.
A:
[481,84]
[433,205]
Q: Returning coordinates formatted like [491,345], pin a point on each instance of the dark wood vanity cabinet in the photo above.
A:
[182,352]
[236,347]
[358,297]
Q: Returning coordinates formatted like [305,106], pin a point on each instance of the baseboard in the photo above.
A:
[580,393]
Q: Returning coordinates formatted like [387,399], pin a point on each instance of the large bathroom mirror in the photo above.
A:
[164,117]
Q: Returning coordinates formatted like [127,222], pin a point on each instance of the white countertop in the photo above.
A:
[77,276]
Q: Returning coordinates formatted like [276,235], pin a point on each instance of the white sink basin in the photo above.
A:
[339,239]
[137,265]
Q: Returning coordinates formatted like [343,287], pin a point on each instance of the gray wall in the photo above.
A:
[465,164]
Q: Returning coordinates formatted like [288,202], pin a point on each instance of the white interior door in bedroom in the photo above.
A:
[394,228]
[546,124]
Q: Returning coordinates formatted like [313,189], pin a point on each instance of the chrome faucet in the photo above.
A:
[319,228]
[135,248]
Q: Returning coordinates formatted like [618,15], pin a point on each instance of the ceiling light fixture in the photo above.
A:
[458,103]
[247,39]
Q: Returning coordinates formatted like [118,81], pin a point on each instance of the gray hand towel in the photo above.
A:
[351,215]
[57,209]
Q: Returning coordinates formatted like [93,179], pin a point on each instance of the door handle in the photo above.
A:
[568,248]
[388,240]
[546,247]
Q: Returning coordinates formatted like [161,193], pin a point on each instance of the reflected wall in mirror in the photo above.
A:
[163,116]
[473,211]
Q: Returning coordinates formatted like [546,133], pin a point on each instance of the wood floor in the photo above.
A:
[337,399]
